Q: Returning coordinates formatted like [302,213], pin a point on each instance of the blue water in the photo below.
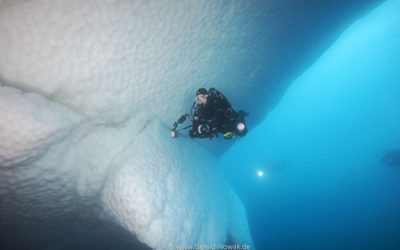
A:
[324,184]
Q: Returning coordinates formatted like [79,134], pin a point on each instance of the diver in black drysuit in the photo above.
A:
[214,114]
[392,158]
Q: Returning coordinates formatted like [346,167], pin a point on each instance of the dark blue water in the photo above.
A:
[321,150]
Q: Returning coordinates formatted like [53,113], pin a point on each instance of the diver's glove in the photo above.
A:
[213,133]
[192,133]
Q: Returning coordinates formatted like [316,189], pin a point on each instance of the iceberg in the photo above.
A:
[88,90]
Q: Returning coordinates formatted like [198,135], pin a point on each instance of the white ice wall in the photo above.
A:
[136,55]
[87,87]
[172,193]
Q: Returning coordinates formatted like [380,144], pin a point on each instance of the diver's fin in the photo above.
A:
[243,113]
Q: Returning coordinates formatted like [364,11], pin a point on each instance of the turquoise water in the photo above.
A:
[324,184]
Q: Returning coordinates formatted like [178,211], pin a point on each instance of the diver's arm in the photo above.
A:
[197,121]
[194,131]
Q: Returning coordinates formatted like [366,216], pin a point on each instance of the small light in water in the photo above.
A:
[260,173]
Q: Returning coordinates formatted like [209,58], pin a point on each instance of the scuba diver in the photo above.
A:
[213,114]
[392,158]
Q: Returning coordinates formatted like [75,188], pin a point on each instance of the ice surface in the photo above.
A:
[160,187]
[29,125]
[111,59]
[86,90]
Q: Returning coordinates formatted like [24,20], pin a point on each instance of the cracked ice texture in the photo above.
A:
[87,87]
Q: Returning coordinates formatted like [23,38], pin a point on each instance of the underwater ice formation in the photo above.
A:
[88,89]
